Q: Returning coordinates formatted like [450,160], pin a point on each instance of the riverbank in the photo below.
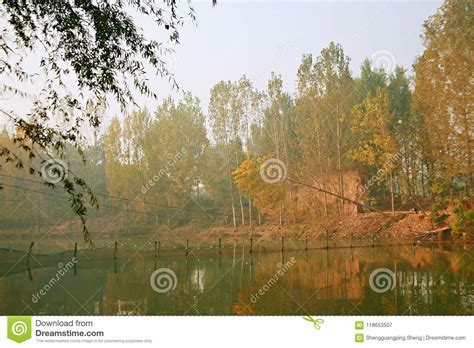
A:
[401,225]
[372,228]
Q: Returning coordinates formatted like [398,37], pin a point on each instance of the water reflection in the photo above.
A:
[428,280]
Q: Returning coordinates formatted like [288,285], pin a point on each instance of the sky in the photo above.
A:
[257,37]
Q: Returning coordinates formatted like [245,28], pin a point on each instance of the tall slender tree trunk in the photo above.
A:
[292,206]
[276,134]
[392,198]
[407,164]
[423,191]
[322,178]
[250,213]
[230,184]
[339,161]
[240,194]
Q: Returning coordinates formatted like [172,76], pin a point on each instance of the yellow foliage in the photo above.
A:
[265,197]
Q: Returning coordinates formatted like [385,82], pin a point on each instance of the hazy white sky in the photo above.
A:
[257,37]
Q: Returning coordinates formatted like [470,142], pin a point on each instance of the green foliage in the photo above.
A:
[100,48]
[340,132]
[439,218]
[463,220]
[158,158]
[441,187]
[456,211]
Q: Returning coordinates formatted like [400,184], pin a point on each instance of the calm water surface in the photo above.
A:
[426,281]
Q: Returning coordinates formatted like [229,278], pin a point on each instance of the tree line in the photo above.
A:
[385,138]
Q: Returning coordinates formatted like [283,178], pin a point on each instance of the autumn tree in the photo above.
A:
[444,92]
[267,197]
[96,47]
[374,145]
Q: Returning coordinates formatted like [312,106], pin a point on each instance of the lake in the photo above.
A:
[403,280]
